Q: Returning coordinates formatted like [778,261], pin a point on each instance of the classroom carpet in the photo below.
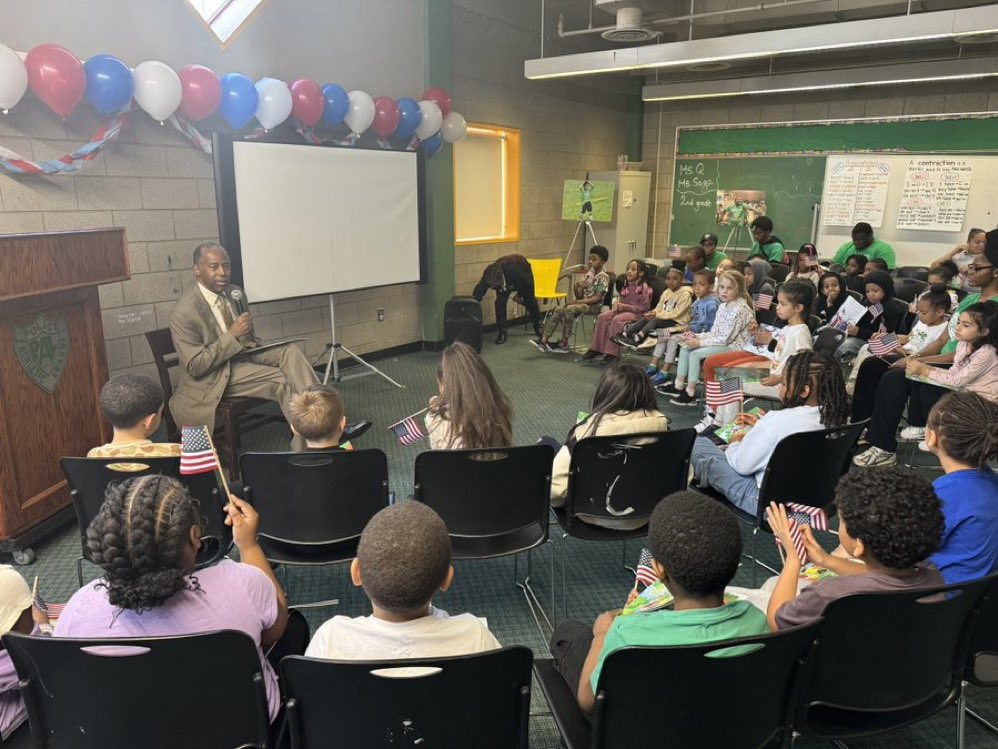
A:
[547,391]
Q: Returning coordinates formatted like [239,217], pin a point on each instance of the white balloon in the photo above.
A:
[274,102]
[361,113]
[157,89]
[13,78]
[432,119]
[454,128]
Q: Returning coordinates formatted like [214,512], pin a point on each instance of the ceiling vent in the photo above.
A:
[629,16]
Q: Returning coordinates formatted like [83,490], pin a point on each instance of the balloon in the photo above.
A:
[202,92]
[109,83]
[239,99]
[56,77]
[432,144]
[431,121]
[453,128]
[307,101]
[409,118]
[13,78]
[440,97]
[157,89]
[337,104]
[361,113]
[275,102]
[386,116]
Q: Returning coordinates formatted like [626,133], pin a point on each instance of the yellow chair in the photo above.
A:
[546,276]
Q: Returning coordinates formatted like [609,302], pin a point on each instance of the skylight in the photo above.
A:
[225,17]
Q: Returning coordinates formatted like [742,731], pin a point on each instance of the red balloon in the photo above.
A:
[201,91]
[386,116]
[56,77]
[306,101]
[440,97]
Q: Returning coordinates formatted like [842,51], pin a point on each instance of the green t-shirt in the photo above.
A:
[879,249]
[968,300]
[715,260]
[774,251]
[737,213]
[689,627]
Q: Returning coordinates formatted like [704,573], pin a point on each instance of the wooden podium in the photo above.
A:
[52,367]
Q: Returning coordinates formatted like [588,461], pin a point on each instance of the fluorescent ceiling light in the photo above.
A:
[882,75]
[766,44]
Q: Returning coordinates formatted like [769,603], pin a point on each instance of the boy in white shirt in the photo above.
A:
[403,559]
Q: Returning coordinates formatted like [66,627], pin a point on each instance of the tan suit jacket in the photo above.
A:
[205,360]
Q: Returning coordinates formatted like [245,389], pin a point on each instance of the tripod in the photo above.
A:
[587,222]
[736,231]
[333,361]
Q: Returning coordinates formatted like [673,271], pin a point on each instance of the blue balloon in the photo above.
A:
[337,104]
[410,115]
[239,99]
[432,144]
[109,83]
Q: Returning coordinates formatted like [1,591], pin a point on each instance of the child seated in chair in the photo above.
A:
[133,406]
[316,415]
[17,614]
[403,560]
[890,521]
[697,545]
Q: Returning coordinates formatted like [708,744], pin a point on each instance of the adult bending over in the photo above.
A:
[508,274]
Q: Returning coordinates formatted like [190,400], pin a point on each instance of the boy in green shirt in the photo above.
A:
[708,243]
[864,243]
[696,545]
[766,243]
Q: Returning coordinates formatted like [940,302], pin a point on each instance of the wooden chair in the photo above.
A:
[233,415]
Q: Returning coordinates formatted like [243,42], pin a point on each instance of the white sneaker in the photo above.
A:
[875,458]
[923,447]
[913,433]
[705,424]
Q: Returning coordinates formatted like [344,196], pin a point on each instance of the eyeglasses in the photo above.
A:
[974,268]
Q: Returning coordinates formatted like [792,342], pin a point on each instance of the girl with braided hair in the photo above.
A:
[962,431]
[813,395]
[146,539]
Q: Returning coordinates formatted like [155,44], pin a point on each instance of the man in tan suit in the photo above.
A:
[215,346]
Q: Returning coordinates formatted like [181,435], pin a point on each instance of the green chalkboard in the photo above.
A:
[792,185]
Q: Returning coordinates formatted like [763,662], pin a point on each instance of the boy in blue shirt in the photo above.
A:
[702,315]
[697,545]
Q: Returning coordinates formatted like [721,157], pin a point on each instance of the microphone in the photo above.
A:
[238,299]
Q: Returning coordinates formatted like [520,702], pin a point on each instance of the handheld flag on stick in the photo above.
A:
[763,301]
[885,344]
[724,392]
[644,573]
[407,431]
[875,310]
[801,515]
[674,252]
[197,454]
[52,611]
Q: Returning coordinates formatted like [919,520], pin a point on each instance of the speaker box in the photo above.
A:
[463,321]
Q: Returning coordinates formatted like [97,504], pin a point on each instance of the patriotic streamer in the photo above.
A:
[186,127]
[69,162]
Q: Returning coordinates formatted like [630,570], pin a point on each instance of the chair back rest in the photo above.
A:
[625,476]
[611,287]
[984,642]
[472,700]
[914,271]
[906,289]
[164,356]
[688,683]
[489,491]
[891,651]
[855,295]
[779,271]
[813,323]
[806,466]
[828,340]
[315,497]
[766,316]
[658,287]
[100,690]
[545,275]
[89,479]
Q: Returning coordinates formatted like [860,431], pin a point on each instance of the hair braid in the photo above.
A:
[967,425]
[138,538]
[824,377]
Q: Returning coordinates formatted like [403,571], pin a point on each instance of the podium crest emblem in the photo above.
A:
[42,348]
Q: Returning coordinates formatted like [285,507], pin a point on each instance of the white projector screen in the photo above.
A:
[315,220]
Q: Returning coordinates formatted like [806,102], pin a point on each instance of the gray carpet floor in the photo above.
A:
[547,391]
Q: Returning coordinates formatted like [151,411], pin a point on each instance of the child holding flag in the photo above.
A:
[882,315]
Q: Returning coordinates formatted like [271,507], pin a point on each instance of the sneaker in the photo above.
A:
[590,355]
[875,458]
[923,446]
[684,399]
[668,389]
[558,348]
[651,371]
[660,378]
[913,434]
[705,424]
[538,344]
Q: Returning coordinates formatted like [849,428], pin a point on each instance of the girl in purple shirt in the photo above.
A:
[633,301]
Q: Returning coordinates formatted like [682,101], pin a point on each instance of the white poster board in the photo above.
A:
[935,194]
[855,190]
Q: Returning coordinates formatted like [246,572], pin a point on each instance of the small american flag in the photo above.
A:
[644,573]
[885,344]
[723,392]
[800,515]
[197,454]
[763,301]
[51,610]
[408,431]
[675,252]
[875,310]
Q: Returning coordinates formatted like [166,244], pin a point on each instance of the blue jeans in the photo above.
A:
[711,468]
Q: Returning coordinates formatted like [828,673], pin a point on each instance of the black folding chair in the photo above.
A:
[981,668]
[886,660]
[906,289]
[89,479]
[494,502]
[198,691]
[684,688]
[766,316]
[913,271]
[621,477]
[478,700]
[804,469]
[779,272]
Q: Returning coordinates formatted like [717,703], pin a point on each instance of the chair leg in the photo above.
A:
[79,570]
[961,716]
[528,592]
[755,561]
